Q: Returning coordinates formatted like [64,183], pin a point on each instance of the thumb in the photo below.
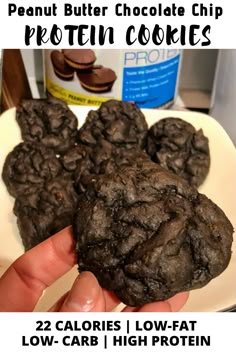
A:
[86,295]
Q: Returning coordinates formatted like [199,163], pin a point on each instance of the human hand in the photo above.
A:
[22,285]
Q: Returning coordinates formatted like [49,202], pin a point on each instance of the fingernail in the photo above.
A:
[84,293]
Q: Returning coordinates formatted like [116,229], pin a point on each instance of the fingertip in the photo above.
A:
[85,295]
[178,301]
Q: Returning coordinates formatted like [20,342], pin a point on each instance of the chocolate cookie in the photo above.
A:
[107,158]
[42,214]
[49,121]
[73,158]
[120,158]
[78,162]
[147,234]
[177,146]
[98,79]
[79,59]
[86,163]
[28,166]
[61,69]
[121,123]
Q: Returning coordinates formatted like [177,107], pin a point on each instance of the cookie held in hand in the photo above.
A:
[147,234]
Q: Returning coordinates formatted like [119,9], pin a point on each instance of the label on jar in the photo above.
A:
[89,77]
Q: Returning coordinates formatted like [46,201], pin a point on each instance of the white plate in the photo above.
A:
[220,186]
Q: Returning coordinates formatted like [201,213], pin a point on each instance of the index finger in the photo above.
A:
[23,283]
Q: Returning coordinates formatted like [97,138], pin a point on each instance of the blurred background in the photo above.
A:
[207,82]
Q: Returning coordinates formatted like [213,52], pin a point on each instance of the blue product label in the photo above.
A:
[151,85]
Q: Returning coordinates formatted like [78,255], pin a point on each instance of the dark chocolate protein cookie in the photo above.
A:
[147,234]
[42,214]
[74,157]
[49,121]
[78,162]
[177,146]
[107,158]
[120,123]
[28,166]
[87,163]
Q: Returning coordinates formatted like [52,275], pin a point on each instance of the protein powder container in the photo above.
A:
[147,78]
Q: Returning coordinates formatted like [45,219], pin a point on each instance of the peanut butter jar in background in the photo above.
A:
[149,78]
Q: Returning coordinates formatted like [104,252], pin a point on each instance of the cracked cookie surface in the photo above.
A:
[48,121]
[147,234]
[42,214]
[102,159]
[120,123]
[177,146]
[28,166]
